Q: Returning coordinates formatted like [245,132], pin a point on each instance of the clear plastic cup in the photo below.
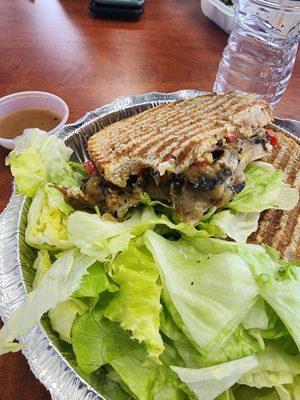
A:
[24,100]
[261,50]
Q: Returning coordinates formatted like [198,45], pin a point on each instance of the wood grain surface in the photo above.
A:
[57,46]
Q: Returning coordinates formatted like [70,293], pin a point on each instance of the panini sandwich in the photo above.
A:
[190,154]
[278,228]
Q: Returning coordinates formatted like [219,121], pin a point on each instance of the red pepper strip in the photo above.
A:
[273,139]
[89,167]
[231,137]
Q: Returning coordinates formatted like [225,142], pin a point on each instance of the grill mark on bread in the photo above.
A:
[127,137]
[287,233]
[116,149]
[281,229]
[184,142]
[131,138]
[199,126]
[168,129]
[268,231]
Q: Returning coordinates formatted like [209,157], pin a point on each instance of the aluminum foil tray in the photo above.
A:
[46,358]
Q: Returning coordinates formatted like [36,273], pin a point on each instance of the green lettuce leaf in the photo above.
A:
[228,395]
[240,344]
[47,220]
[105,239]
[63,315]
[238,226]
[275,368]
[39,158]
[136,306]
[98,341]
[242,392]
[148,219]
[113,388]
[94,282]
[278,282]
[189,354]
[79,170]
[160,207]
[257,318]
[41,264]
[208,383]
[57,285]
[212,296]
[97,237]
[264,189]
[262,321]
[290,391]
[281,291]
[256,257]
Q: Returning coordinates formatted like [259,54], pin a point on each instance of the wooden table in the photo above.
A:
[57,46]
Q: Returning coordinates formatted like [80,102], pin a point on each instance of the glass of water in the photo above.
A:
[261,50]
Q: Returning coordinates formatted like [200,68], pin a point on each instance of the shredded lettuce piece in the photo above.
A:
[47,220]
[243,392]
[275,368]
[264,189]
[63,315]
[94,282]
[212,296]
[263,322]
[208,383]
[278,282]
[39,158]
[97,237]
[240,344]
[105,239]
[228,395]
[98,341]
[41,264]
[137,304]
[281,291]
[161,207]
[257,257]
[290,391]
[112,387]
[56,286]
[238,226]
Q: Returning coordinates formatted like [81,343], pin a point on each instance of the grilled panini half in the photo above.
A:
[190,154]
[277,228]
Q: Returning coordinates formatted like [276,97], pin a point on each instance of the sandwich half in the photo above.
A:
[189,154]
[278,228]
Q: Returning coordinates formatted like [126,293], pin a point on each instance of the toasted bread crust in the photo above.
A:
[170,137]
[277,228]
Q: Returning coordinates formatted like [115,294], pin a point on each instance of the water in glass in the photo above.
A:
[261,50]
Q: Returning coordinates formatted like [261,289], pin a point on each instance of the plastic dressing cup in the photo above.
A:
[27,100]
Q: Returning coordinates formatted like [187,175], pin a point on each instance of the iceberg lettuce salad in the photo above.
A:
[152,308]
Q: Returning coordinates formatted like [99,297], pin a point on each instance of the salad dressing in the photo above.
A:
[13,124]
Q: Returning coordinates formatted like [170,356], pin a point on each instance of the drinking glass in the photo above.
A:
[261,50]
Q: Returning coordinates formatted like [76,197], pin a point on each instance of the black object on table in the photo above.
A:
[117,8]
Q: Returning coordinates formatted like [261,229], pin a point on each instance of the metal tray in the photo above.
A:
[16,275]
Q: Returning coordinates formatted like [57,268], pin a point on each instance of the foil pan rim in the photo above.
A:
[46,362]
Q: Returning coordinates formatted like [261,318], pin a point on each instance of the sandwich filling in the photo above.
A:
[210,181]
